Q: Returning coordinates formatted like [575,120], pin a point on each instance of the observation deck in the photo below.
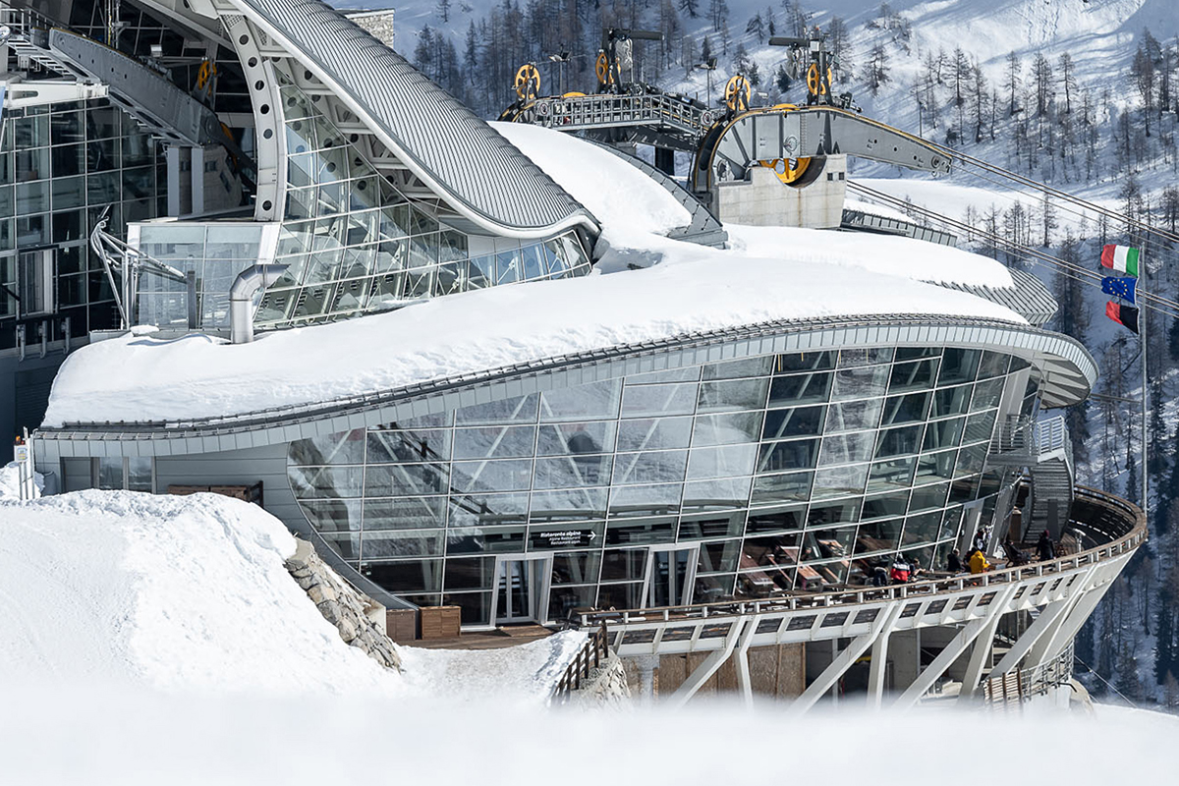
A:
[1060,594]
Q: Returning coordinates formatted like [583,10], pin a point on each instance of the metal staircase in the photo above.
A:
[1044,448]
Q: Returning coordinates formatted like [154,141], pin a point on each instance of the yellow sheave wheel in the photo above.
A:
[788,170]
[206,73]
[527,82]
[812,80]
[602,69]
[738,91]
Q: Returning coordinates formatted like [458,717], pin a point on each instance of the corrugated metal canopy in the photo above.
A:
[476,170]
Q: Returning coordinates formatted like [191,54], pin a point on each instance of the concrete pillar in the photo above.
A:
[764,200]
[198,180]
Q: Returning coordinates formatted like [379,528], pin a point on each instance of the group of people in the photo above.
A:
[903,570]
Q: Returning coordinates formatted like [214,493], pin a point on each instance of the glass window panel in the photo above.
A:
[925,497]
[780,456]
[776,519]
[712,588]
[918,375]
[632,501]
[749,367]
[891,474]
[572,471]
[647,400]
[825,544]
[584,402]
[325,481]
[886,505]
[905,409]
[951,401]
[898,441]
[774,552]
[576,438]
[782,488]
[566,534]
[865,357]
[405,480]
[620,596]
[799,389]
[993,364]
[804,361]
[833,514]
[689,374]
[797,422]
[732,395]
[854,415]
[507,267]
[724,525]
[405,513]
[470,573]
[564,601]
[987,394]
[533,263]
[328,516]
[482,272]
[475,607]
[922,529]
[512,410]
[847,448]
[419,575]
[980,427]
[482,476]
[943,434]
[958,365]
[970,460]
[727,429]
[654,434]
[718,557]
[883,535]
[576,567]
[722,462]
[394,543]
[664,466]
[399,447]
[629,532]
[494,442]
[139,474]
[860,382]
[719,494]
[478,510]
[486,540]
[936,465]
[624,564]
[840,481]
[568,505]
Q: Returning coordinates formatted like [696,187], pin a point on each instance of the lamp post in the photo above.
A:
[709,66]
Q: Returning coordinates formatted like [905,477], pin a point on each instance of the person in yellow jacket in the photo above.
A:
[978,563]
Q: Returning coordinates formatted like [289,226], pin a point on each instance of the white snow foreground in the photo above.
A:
[115,590]
[769,274]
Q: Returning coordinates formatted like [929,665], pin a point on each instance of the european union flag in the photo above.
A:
[1124,288]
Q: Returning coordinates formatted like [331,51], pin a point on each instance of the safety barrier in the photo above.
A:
[595,650]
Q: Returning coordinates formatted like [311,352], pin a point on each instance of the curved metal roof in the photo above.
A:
[1067,370]
[446,145]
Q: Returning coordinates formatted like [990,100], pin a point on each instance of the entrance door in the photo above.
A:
[670,578]
[521,587]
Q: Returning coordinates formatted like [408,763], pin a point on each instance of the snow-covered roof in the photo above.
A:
[768,275]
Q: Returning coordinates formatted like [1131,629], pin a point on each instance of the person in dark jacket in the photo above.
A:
[954,562]
[1015,557]
[1045,547]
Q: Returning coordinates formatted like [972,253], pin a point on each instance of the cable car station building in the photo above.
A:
[708,490]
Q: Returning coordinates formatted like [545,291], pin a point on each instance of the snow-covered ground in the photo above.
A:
[768,274]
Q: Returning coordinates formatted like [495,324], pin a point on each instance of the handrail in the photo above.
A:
[595,650]
[1020,686]
[1116,543]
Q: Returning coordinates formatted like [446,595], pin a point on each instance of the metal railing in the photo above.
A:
[595,650]
[1029,439]
[1016,687]
[1115,524]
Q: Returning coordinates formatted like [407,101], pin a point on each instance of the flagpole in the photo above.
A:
[1144,342]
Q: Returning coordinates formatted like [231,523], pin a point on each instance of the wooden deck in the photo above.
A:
[508,636]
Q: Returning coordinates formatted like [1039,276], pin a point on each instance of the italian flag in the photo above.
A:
[1120,258]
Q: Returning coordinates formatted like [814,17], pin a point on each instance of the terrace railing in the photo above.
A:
[595,650]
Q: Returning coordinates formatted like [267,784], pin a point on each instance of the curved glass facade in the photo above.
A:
[354,243]
[740,479]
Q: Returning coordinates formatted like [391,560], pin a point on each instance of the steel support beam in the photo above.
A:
[979,654]
[1048,622]
[744,682]
[1047,644]
[880,658]
[706,669]
[953,650]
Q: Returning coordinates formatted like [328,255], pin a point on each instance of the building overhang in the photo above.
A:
[1067,373]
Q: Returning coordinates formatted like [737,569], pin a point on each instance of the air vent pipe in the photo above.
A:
[241,299]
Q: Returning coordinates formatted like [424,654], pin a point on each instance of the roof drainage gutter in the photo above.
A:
[241,299]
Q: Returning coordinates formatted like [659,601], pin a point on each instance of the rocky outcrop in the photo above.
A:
[606,686]
[359,619]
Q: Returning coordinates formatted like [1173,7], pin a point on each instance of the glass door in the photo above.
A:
[521,588]
[670,578]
